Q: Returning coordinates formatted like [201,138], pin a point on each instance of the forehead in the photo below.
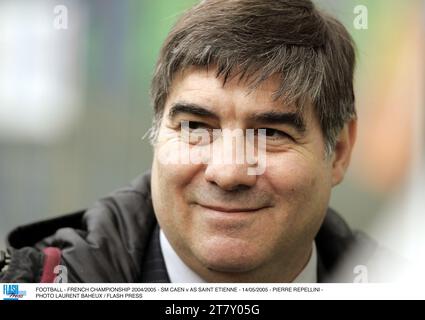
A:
[202,86]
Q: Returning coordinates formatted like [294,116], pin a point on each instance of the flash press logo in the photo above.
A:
[12,292]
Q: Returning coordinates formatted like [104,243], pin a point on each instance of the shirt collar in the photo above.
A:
[179,272]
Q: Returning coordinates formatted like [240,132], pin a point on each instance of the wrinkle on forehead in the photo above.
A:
[194,79]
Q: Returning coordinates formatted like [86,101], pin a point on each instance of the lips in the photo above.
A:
[230,210]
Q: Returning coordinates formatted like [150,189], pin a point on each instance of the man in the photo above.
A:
[278,71]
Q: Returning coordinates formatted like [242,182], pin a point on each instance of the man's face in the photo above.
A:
[219,218]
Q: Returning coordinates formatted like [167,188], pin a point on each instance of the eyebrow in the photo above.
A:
[293,119]
[190,108]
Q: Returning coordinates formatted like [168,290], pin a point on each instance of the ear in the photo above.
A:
[342,153]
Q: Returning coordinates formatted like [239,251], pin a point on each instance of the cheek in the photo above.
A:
[302,191]
[297,180]
[170,177]
[172,162]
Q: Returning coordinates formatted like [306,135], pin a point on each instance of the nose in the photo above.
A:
[229,166]
[230,177]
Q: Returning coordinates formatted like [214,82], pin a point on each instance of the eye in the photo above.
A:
[274,134]
[195,132]
[193,125]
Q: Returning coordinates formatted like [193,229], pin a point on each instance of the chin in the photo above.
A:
[229,255]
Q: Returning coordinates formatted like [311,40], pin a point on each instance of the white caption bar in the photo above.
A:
[209,291]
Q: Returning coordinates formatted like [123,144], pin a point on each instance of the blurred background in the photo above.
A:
[74,104]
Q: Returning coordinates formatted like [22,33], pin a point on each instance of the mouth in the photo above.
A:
[229,218]
[231,210]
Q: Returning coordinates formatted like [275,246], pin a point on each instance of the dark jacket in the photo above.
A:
[117,240]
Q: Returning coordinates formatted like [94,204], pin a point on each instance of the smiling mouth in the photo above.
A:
[231,210]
